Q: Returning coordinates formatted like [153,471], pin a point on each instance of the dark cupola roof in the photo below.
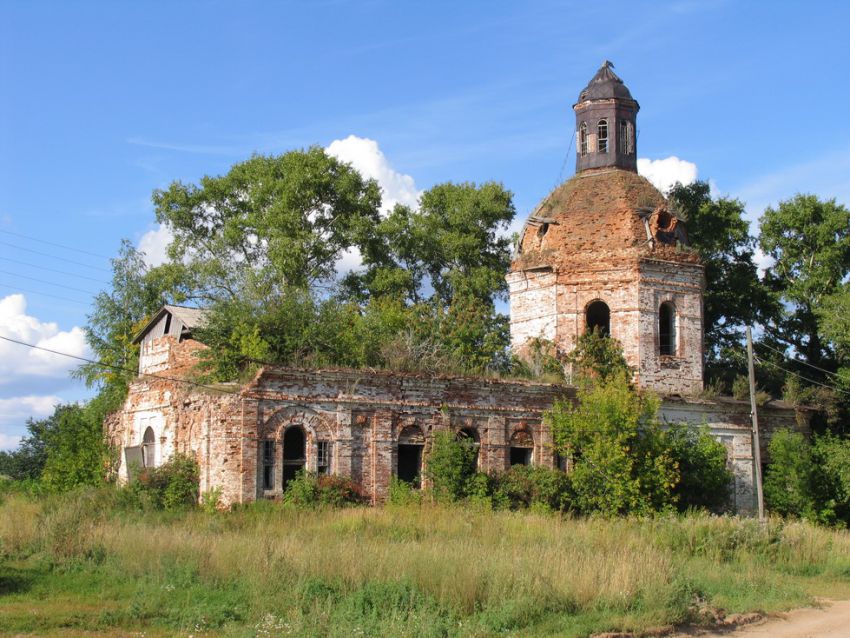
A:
[605,85]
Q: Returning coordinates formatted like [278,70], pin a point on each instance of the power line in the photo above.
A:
[43,294]
[43,254]
[50,243]
[49,283]
[805,363]
[61,272]
[114,367]
[800,376]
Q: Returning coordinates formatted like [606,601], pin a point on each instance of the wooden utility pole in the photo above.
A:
[754,414]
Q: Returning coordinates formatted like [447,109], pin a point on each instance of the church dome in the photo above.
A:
[605,85]
[603,215]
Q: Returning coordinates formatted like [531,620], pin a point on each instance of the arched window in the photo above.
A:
[294,453]
[667,329]
[602,136]
[582,138]
[149,448]
[598,317]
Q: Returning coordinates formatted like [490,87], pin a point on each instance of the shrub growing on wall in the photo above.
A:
[171,486]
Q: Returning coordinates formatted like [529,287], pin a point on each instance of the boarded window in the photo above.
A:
[602,136]
[623,137]
[667,329]
[598,317]
[268,465]
[323,457]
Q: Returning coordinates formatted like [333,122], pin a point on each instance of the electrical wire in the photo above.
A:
[119,368]
[43,254]
[800,376]
[805,363]
[61,272]
[51,243]
[43,294]
[49,283]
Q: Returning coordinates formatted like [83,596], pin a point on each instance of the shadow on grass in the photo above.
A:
[14,581]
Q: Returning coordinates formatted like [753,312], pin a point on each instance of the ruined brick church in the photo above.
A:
[602,251]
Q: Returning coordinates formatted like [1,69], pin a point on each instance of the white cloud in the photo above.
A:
[664,173]
[9,441]
[366,156]
[17,361]
[29,406]
[154,245]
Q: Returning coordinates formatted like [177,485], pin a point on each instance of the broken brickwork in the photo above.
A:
[606,235]
[367,420]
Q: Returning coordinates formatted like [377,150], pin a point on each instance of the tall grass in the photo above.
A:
[418,571]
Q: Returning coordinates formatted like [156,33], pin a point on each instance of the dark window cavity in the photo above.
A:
[667,328]
[323,464]
[599,318]
[470,435]
[602,136]
[268,465]
[411,443]
[294,453]
[522,448]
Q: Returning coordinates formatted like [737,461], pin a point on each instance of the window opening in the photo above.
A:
[469,435]
[543,229]
[582,138]
[149,448]
[411,443]
[602,136]
[522,448]
[268,465]
[294,453]
[667,329]
[623,137]
[598,317]
[323,465]
[167,324]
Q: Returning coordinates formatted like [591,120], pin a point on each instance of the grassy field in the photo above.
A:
[82,565]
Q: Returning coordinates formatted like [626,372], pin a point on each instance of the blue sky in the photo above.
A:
[102,102]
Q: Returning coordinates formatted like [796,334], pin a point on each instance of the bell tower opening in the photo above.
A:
[606,114]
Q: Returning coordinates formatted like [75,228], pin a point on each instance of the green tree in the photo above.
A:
[734,296]
[27,461]
[597,356]
[809,241]
[137,292]
[450,466]
[271,224]
[76,450]
[614,444]
[704,480]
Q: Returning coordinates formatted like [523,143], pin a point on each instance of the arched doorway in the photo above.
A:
[149,448]
[411,443]
[598,317]
[294,453]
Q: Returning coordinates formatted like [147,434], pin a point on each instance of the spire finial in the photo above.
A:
[607,64]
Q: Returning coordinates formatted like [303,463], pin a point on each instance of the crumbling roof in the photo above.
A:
[184,320]
[605,85]
[597,215]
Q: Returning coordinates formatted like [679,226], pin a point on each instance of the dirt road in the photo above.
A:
[832,621]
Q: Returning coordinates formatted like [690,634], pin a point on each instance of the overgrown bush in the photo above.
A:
[403,494]
[451,466]
[171,486]
[532,486]
[310,490]
[704,479]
